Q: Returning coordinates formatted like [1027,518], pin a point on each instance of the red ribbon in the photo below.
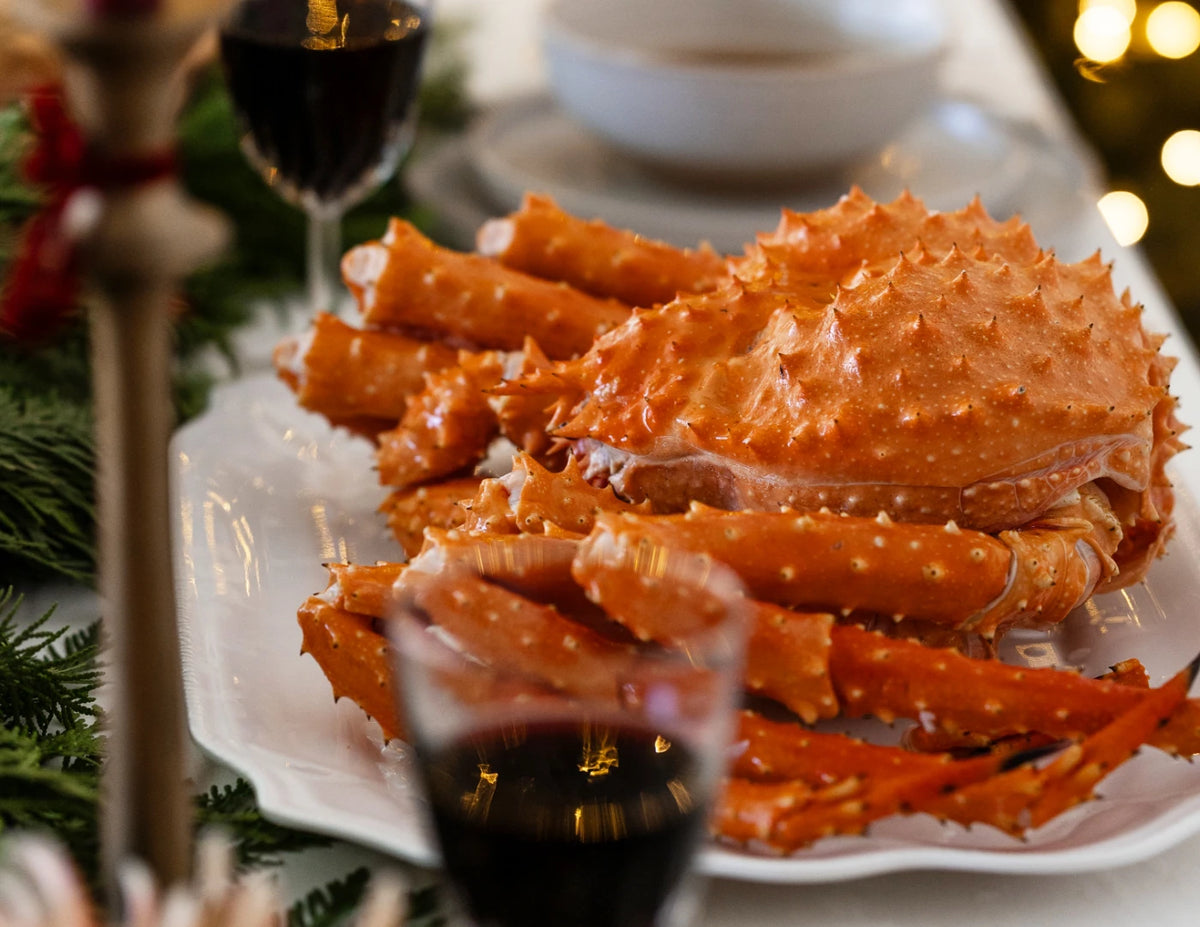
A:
[42,291]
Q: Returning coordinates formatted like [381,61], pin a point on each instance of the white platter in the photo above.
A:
[952,152]
[266,493]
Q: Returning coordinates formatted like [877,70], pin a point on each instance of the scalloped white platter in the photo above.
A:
[265,493]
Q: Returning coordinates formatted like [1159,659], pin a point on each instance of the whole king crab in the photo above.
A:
[906,430]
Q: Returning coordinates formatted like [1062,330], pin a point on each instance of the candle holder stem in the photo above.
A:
[138,237]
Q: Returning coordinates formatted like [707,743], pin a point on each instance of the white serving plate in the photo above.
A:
[266,493]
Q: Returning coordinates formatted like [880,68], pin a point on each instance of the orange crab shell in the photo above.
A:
[934,384]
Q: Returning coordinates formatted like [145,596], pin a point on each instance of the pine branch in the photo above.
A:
[328,906]
[47,467]
[49,740]
[41,685]
[234,810]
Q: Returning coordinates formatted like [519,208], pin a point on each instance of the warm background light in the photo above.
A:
[1173,29]
[1127,8]
[1181,157]
[1126,216]
[1130,112]
[1102,33]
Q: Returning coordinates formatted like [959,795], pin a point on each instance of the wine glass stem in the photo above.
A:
[324,260]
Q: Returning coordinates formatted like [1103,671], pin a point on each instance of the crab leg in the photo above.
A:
[407,282]
[532,498]
[889,678]
[362,588]
[1030,796]
[791,787]
[524,416]
[787,652]
[447,427]
[819,560]
[345,372]
[787,660]
[542,240]
[536,566]
[515,634]
[978,701]
[354,657]
[816,670]
[436,505]
[450,423]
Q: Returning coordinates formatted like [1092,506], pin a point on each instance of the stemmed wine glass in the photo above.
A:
[325,91]
[569,765]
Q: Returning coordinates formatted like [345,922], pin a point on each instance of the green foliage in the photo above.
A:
[330,905]
[333,904]
[49,741]
[47,471]
[233,810]
[47,677]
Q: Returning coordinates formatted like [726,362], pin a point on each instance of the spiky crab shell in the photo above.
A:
[937,383]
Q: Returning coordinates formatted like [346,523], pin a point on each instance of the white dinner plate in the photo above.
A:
[952,152]
[266,493]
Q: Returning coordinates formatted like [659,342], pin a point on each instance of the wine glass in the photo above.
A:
[568,765]
[325,91]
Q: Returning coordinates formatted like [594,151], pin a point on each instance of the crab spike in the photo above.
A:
[1030,307]
[976,210]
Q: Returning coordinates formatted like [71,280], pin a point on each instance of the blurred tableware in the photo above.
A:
[325,92]
[568,764]
[951,152]
[742,91]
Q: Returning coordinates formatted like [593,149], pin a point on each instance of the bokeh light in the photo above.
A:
[1127,8]
[1125,215]
[1181,157]
[1102,33]
[1173,29]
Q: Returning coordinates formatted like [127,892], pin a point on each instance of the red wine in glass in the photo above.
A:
[325,92]
[564,825]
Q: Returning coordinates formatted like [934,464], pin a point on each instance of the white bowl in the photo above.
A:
[716,87]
